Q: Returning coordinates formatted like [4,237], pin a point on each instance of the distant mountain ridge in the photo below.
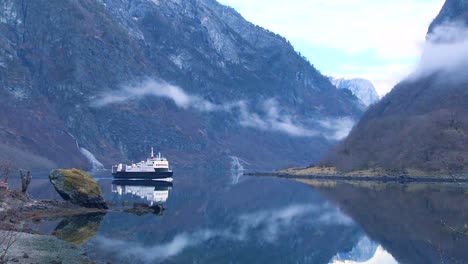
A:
[422,124]
[363,89]
[112,78]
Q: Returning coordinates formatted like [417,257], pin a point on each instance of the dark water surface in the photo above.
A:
[223,218]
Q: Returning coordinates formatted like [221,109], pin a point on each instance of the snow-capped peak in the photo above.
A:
[363,89]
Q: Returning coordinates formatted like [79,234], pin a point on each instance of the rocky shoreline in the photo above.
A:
[16,207]
[80,192]
[21,244]
[33,248]
[16,210]
[80,215]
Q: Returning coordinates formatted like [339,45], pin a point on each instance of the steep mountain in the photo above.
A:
[422,123]
[191,78]
[453,10]
[363,89]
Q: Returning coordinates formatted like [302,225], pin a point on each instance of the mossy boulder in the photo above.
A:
[78,187]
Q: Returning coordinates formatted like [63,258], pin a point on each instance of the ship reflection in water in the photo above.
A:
[144,195]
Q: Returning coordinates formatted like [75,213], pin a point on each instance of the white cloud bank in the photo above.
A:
[392,31]
[270,224]
[154,88]
[338,128]
[270,118]
[445,51]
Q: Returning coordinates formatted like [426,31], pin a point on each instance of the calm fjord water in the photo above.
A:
[212,217]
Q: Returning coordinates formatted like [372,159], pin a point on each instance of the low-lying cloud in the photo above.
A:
[152,87]
[267,225]
[269,116]
[337,128]
[272,120]
[445,51]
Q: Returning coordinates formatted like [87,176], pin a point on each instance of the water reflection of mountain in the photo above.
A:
[363,251]
[415,223]
[149,191]
[212,220]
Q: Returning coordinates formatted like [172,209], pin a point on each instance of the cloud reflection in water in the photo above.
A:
[381,256]
[267,225]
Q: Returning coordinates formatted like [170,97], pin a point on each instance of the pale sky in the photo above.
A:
[379,40]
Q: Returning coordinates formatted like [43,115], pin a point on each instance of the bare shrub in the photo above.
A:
[6,168]
[7,240]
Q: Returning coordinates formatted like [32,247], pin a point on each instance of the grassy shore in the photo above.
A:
[376,174]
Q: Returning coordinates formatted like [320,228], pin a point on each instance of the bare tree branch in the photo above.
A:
[5,170]
[7,239]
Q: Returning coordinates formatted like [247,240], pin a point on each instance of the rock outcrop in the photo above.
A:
[78,187]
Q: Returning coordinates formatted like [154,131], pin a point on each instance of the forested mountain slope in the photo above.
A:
[422,123]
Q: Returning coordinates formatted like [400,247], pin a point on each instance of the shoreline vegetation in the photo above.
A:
[375,175]
[83,201]
[19,243]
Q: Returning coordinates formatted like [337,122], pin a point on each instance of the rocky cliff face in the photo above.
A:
[423,122]
[191,78]
[363,89]
[452,11]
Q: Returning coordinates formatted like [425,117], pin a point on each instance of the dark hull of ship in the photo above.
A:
[148,175]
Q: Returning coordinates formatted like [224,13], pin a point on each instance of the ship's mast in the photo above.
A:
[152,154]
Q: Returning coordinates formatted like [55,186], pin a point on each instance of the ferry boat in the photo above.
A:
[153,168]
